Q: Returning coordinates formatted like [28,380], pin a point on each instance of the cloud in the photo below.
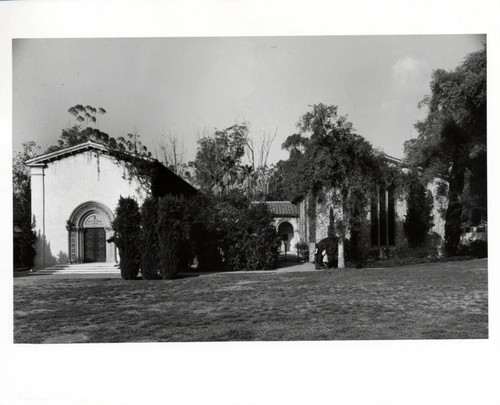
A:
[410,78]
[410,74]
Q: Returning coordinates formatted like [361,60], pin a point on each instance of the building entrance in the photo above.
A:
[285,230]
[94,245]
[90,234]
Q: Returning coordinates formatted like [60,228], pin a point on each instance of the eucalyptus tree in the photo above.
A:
[85,129]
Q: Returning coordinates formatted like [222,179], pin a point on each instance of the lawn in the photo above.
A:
[429,301]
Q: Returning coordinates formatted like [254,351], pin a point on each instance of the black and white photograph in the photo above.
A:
[294,199]
[250,188]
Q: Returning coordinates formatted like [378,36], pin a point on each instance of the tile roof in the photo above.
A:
[282,208]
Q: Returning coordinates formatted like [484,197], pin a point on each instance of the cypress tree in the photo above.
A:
[128,237]
[418,219]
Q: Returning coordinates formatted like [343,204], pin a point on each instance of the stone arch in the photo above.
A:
[90,217]
[83,211]
[286,233]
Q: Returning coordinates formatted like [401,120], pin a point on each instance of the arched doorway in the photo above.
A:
[94,239]
[89,229]
[285,231]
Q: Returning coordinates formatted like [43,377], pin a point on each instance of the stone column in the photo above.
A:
[312,246]
[80,245]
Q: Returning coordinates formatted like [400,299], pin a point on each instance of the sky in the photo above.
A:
[187,87]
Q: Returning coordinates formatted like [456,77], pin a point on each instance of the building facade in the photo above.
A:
[383,228]
[74,194]
[286,221]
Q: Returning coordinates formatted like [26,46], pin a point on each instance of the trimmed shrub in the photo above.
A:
[245,235]
[128,237]
[477,248]
[24,246]
[170,236]
[302,251]
[357,248]
[227,227]
[262,242]
[149,257]
[204,247]
[225,233]
[170,251]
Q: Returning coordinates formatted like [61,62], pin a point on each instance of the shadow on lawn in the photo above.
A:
[18,274]
[190,274]
[282,264]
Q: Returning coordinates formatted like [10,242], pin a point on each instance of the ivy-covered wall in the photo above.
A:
[317,213]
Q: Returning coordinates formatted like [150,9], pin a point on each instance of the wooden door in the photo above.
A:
[95,245]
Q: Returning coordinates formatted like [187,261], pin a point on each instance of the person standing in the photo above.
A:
[317,264]
[325,258]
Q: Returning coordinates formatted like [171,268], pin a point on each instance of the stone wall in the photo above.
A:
[440,204]
[314,223]
[400,210]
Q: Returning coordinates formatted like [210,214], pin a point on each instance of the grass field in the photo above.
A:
[431,301]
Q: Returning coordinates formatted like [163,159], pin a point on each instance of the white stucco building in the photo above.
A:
[286,221]
[74,193]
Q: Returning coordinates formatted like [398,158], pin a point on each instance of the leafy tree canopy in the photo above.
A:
[21,180]
[328,154]
[129,149]
[335,155]
[218,158]
[451,143]
[295,142]
[21,198]
[454,131]
[84,130]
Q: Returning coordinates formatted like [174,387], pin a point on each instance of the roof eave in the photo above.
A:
[49,157]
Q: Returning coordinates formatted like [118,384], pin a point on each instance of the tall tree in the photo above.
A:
[128,149]
[336,157]
[419,217]
[21,198]
[127,227]
[451,144]
[282,182]
[218,159]
[258,150]
[84,129]
[171,154]
[256,176]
